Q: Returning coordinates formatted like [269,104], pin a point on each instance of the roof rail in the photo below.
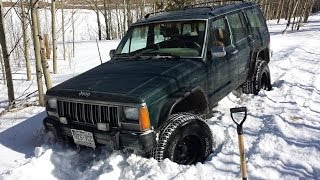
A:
[207,4]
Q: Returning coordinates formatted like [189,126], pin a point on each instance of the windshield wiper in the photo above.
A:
[154,55]
[159,55]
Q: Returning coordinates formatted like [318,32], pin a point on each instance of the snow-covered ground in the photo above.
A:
[282,131]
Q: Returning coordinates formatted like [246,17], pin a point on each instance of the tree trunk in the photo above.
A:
[54,36]
[303,12]
[119,22]
[281,10]
[45,65]
[289,7]
[106,19]
[294,14]
[308,12]
[129,16]
[142,8]
[99,25]
[290,16]
[268,14]
[35,33]
[2,68]
[63,31]
[6,60]
[109,21]
[46,45]
[25,41]
[124,16]
[73,38]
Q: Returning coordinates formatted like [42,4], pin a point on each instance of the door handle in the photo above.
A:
[251,40]
[234,51]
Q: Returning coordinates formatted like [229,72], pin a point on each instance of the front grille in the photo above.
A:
[80,112]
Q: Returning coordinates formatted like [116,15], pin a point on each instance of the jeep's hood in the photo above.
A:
[131,78]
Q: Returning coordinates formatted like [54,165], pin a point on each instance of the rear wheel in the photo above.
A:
[260,80]
[186,139]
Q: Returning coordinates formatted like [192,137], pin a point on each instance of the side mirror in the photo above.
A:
[112,52]
[218,51]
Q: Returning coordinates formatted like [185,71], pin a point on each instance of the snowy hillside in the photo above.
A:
[282,131]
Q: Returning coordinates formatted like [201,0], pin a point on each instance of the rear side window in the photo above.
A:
[255,19]
[237,26]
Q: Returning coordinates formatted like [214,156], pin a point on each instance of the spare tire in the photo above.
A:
[186,139]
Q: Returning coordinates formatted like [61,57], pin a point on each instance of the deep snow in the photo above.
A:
[282,131]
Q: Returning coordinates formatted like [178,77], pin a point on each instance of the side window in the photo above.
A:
[157,34]
[237,26]
[255,19]
[220,33]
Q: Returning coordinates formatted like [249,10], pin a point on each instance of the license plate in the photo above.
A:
[83,138]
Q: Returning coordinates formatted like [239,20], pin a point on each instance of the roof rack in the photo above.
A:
[208,4]
[212,3]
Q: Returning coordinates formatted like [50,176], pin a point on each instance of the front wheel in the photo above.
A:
[186,139]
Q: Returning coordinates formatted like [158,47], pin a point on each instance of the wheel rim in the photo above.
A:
[187,150]
[264,81]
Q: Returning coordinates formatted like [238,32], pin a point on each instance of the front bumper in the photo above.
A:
[140,142]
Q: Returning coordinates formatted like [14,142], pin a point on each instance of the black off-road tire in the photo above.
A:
[260,80]
[186,139]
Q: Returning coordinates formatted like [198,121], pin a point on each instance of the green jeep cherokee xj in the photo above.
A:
[168,72]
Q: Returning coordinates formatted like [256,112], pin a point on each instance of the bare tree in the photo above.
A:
[106,18]
[99,24]
[25,40]
[6,60]
[119,22]
[54,36]
[36,43]
[45,65]
[2,68]
[295,5]
[124,16]
[308,12]
[282,2]
[73,30]
[63,30]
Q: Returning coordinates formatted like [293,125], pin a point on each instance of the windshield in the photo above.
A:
[178,39]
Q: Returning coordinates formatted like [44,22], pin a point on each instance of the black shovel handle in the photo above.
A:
[237,110]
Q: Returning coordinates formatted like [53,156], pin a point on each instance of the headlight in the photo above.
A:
[52,103]
[131,113]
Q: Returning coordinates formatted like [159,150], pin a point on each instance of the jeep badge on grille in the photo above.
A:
[84,94]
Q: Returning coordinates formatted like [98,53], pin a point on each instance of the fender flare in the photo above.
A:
[172,101]
[253,61]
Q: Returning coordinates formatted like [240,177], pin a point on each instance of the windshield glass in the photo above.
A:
[179,39]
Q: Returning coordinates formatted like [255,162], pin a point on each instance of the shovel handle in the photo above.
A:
[239,125]
[237,110]
[243,163]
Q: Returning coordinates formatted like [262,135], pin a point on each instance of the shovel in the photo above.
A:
[239,124]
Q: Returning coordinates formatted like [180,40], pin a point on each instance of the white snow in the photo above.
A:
[282,131]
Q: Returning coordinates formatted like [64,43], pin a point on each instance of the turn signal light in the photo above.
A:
[144,119]
[63,120]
